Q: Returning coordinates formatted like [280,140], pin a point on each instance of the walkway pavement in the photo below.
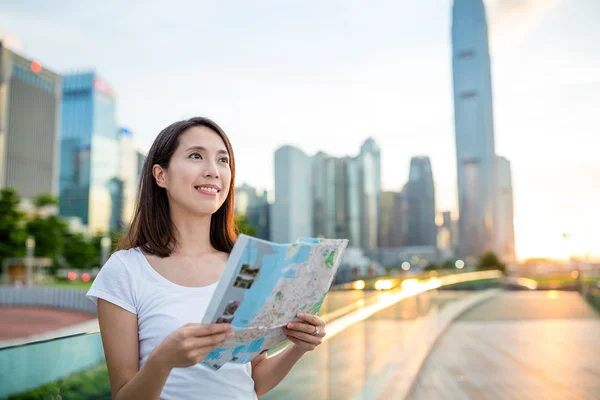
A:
[519,345]
[19,325]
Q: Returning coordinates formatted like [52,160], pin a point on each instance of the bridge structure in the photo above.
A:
[459,336]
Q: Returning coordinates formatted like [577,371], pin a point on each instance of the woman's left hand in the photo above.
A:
[306,333]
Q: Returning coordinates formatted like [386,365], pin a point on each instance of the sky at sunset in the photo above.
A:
[325,75]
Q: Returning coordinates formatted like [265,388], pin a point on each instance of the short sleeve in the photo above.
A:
[115,284]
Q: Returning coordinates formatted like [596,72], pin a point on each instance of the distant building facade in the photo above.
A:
[422,230]
[90,187]
[474,127]
[505,229]
[30,102]
[256,208]
[292,215]
[393,225]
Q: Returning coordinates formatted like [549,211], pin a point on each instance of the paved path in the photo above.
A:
[20,325]
[519,345]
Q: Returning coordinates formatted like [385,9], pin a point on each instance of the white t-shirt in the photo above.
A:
[161,306]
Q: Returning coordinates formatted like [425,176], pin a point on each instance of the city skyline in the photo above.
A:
[398,91]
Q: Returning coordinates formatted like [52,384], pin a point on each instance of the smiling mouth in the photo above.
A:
[207,190]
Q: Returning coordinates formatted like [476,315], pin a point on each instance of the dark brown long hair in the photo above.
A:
[151,228]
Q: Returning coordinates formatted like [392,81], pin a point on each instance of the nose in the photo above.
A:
[211,169]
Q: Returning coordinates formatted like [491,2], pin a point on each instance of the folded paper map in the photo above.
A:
[264,286]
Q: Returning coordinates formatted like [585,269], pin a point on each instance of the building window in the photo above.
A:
[467,94]
[31,78]
[466,54]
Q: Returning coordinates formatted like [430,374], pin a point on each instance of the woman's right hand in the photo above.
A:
[189,344]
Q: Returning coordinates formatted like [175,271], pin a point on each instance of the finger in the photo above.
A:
[211,340]
[304,327]
[305,337]
[208,329]
[311,319]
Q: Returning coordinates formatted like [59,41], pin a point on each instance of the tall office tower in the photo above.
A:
[369,164]
[30,98]
[446,237]
[505,229]
[254,207]
[128,174]
[386,217]
[354,194]
[292,215]
[422,230]
[323,195]
[90,188]
[141,158]
[330,201]
[393,221]
[370,147]
[474,127]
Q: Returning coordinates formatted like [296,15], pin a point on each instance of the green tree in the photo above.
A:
[242,225]
[489,261]
[49,234]
[80,252]
[45,199]
[12,230]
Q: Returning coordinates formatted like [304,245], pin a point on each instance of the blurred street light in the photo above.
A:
[30,246]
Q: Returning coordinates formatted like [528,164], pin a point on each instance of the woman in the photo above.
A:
[152,292]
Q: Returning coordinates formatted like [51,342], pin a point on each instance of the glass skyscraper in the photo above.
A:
[422,230]
[474,127]
[505,228]
[370,164]
[89,184]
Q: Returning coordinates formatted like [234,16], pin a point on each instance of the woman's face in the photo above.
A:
[198,177]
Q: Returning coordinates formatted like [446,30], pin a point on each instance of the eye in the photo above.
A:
[224,160]
[195,156]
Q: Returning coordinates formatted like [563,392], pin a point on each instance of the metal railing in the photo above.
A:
[29,366]
[51,297]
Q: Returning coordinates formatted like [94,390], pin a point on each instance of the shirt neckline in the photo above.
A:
[154,272]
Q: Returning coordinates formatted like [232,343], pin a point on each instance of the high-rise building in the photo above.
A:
[393,219]
[343,193]
[90,188]
[447,241]
[505,229]
[128,175]
[330,200]
[369,164]
[292,215]
[30,97]
[474,127]
[386,216]
[323,195]
[254,207]
[422,230]
[354,193]
[141,158]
